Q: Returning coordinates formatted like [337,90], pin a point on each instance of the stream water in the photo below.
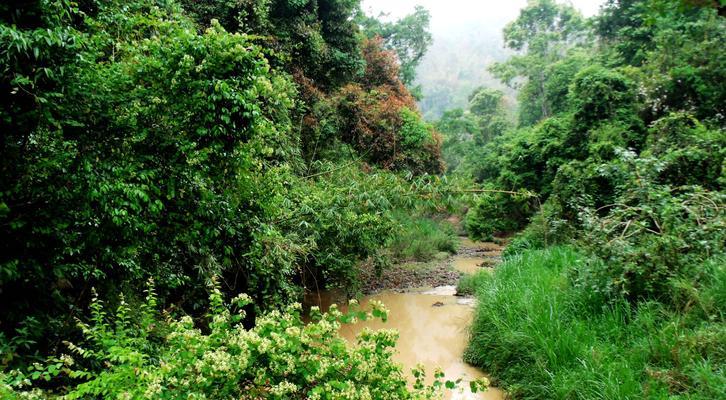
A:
[433,328]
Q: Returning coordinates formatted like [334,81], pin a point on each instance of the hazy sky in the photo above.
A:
[447,14]
[467,38]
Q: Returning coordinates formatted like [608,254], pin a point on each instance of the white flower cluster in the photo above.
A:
[280,357]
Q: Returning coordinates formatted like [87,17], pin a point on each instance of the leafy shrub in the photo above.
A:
[580,184]
[281,357]
[690,153]
[164,150]
[466,131]
[546,228]
[140,144]
[631,169]
[420,142]
[652,235]
[457,128]
[599,94]
[345,217]
[468,284]
[248,15]
[526,158]
[320,42]
[419,238]
[498,213]
[150,142]
[683,70]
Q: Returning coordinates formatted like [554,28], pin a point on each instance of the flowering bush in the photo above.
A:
[282,357]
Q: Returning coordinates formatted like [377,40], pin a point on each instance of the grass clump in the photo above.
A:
[420,238]
[468,283]
[544,338]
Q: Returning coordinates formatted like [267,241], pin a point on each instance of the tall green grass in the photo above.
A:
[420,238]
[540,338]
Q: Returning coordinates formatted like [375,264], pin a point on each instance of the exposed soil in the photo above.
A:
[403,277]
[406,276]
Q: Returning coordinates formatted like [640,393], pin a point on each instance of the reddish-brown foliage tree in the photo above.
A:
[376,112]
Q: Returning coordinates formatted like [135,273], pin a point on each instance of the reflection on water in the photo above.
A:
[433,332]
[475,256]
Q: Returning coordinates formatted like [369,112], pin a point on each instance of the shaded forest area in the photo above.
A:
[187,169]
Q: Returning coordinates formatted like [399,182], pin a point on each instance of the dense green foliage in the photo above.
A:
[348,216]
[619,151]
[465,131]
[598,111]
[160,165]
[190,141]
[249,143]
[265,148]
[314,38]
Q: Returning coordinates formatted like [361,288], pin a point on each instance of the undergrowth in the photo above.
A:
[543,338]
[137,353]
[420,238]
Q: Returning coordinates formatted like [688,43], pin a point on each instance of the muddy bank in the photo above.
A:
[443,271]
[403,277]
[473,256]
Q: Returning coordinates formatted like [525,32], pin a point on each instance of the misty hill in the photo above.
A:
[456,64]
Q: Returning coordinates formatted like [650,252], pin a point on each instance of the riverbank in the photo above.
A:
[431,318]
[443,270]
[543,338]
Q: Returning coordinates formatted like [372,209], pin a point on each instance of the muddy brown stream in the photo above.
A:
[433,330]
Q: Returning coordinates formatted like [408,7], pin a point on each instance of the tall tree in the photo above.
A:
[317,38]
[542,34]
[409,37]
